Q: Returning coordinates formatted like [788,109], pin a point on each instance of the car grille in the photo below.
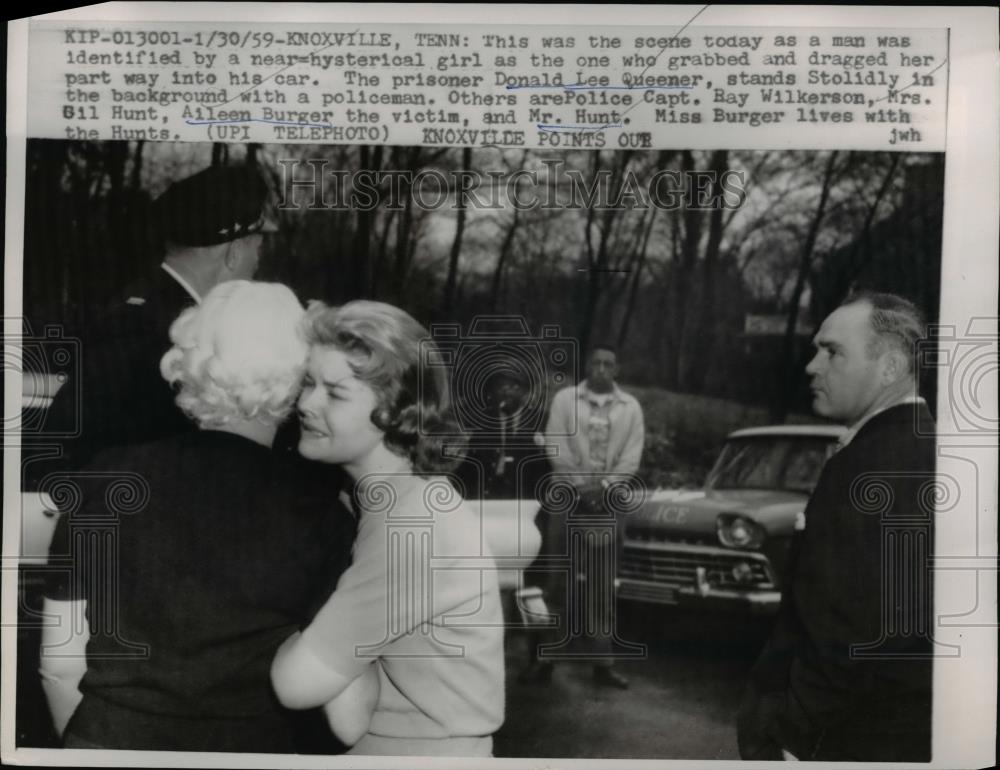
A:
[666,535]
[679,567]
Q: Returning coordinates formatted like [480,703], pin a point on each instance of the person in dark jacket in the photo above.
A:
[846,674]
[212,224]
[505,459]
[195,556]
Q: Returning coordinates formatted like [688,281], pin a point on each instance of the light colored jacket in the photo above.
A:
[567,432]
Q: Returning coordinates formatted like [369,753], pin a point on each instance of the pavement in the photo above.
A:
[681,704]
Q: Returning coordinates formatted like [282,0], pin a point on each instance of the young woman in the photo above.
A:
[407,654]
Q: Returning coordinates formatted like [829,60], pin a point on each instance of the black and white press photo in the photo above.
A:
[498,391]
[693,284]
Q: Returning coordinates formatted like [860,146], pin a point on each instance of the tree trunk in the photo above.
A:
[598,261]
[401,264]
[448,297]
[382,254]
[685,287]
[501,265]
[703,337]
[114,233]
[786,369]
[857,261]
[636,282]
[135,181]
[220,154]
[361,262]
[361,257]
[668,332]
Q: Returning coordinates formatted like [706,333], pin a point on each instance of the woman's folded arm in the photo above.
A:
[301,679]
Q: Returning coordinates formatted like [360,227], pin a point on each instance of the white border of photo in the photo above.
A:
[965,687]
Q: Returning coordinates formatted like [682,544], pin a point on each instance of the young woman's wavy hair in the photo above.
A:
[395,356]
[239,355]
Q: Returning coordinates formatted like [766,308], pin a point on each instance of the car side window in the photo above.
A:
[749,464]
[804,466]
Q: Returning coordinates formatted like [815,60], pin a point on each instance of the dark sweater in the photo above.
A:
[191,593]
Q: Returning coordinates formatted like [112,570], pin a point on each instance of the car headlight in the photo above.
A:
[737,531]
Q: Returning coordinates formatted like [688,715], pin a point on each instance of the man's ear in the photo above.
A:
[231,257]
[894,366]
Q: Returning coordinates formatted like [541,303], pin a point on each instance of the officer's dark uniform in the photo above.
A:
[120,397]
[503,460]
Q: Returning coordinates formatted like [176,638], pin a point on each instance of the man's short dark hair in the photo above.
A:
[895,322]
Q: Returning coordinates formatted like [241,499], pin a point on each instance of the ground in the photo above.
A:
[684,693]
[681,704]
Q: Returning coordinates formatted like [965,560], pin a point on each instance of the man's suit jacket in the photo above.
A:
[119,397]
[846,674]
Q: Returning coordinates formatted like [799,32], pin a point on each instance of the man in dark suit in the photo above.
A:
[846,674]
[212,224]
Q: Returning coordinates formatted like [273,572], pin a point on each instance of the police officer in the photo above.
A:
[212,224]
[504,460]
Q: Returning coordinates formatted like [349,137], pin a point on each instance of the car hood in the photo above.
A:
[694,513]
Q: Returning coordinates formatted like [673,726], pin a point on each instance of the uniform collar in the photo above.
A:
[184,284]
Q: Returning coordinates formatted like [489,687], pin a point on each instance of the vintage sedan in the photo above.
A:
[726,546]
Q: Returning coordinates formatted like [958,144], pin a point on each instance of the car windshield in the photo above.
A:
[789,463]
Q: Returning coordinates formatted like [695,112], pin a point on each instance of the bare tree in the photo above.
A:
[597,264]
[448,297]
[220,154]
[135,181]
[779,409]
[505,248]
[635,280]
[371,162]
[840,276]
[701,339]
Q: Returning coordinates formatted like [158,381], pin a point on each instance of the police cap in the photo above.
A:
[216,205]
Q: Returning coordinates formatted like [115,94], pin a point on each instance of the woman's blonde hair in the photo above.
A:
[238,355]
[395,356]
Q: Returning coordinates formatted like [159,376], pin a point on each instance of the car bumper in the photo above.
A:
[696,576]
[756,602]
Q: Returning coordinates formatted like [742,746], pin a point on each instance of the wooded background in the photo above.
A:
[672,288]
